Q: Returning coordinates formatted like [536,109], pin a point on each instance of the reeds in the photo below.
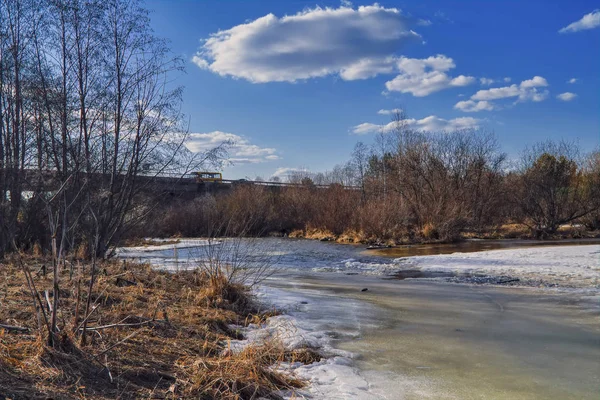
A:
[153,334]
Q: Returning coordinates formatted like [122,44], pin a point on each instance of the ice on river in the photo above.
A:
[572,266]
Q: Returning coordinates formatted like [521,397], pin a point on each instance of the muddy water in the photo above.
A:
[471,246]
[440,341]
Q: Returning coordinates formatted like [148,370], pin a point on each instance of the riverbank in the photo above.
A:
[151,334]
[506,231]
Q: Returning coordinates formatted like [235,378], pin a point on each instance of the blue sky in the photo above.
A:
[298,83]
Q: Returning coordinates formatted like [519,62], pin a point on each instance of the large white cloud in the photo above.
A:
[431,123]
[527,90]
[421,77]
[588,21]
[240,150]
[354,43]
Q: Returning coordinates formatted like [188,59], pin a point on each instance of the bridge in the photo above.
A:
[167,183]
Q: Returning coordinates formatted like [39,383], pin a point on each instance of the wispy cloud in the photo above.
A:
[389,112]
[474,106]
[566,96]
[588,21]
[240,150]
[286,172]
[431,123]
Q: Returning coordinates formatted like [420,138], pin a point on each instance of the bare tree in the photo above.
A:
[359,163]
[551,191]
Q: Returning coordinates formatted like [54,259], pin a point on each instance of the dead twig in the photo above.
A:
[118,325]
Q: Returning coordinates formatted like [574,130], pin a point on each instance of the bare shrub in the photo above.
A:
[551,190]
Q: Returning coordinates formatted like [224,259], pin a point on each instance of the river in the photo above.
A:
[435,338]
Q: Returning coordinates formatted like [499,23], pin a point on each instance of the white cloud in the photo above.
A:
[507,79]
[354,43]
[421,77]
[567,96]
[536,81]
[588,21]
[526,90]
[367,127]
[389,112]
[431,123]
[285,172]
[436,124]
[534,95]
[474,106]
[239,148]
[486,81]
[497,93]
[368,68]
[572,80]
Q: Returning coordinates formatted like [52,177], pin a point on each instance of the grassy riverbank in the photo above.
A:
[428,236]
[151,334]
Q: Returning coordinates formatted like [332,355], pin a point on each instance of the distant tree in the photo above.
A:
[552,191]
[306,181]
[592,189]
[360,164]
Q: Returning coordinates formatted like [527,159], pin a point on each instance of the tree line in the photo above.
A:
[415,186]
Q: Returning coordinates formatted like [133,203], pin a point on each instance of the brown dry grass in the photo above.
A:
[174,347]
[130,242]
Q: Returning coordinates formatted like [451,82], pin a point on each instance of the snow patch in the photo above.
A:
[571,266]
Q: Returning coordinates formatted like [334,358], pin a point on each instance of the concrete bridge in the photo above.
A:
[169,184]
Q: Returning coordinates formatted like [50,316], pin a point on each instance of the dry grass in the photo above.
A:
[348,236]
[521,231]
[171,342]
[138,242]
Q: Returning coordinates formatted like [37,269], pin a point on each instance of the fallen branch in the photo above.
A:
[115,345]
[14,328]
[125,325]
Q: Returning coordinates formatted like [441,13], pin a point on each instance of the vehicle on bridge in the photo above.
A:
[208,177]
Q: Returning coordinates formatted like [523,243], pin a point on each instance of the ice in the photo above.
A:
[572,266]
[132,251]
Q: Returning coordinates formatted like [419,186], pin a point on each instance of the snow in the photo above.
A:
[335,376]
[570,266]
[143,250]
